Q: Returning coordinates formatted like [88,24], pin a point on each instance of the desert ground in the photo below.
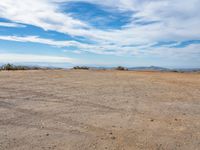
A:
[99,110]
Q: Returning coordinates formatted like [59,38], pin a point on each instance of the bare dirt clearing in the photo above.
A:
[87,110]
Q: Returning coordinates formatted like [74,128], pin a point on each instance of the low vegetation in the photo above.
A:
[121,68]
[14,67]
[81,68]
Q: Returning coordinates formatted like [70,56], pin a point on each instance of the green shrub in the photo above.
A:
[8,67]
[121,68]
[13,67]
[81,68]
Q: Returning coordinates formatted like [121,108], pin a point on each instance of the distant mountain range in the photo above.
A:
[154,68]
[149,68]
[144,68]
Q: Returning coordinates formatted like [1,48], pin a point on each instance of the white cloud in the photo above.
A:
[139,50]
[39,13]
[36,39]
[178,21]
[97,48]
[28,58]
[6,24]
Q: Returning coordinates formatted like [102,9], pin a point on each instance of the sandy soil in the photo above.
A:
[89,110]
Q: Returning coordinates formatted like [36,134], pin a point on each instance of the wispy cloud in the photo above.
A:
[166,50]
[8,24]
[41,13]
[36,39]
[28,58]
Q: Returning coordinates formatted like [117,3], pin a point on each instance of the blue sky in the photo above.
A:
[100,33]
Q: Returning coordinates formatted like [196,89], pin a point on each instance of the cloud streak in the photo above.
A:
[28,58]
[14,25]
[165,50]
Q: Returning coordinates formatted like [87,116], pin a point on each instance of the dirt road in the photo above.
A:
[99,110]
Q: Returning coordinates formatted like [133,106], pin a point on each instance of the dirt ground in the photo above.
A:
[99,110]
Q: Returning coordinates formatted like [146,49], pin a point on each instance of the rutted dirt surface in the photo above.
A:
[89,110]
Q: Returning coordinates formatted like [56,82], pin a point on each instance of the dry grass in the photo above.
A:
[87,110]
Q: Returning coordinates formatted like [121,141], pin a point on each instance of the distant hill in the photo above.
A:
[152,68]
[149,68]
[186,70]
[28,66]
[155,68]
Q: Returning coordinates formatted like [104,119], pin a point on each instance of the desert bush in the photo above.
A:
[13,67]
[81,67]
[121,68]
[8,67]
[174,71]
